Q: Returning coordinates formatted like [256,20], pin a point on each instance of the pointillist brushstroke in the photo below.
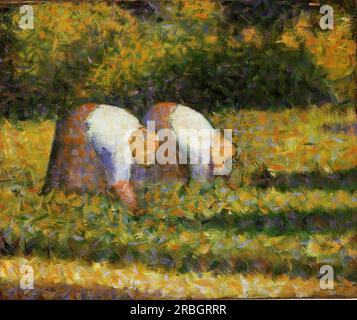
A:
[91,226]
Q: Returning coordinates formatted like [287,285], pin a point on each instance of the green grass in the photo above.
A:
[289,206]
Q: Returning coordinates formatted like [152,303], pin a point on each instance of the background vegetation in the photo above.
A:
[203,53]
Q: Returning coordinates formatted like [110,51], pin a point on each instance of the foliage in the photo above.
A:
[193,52]
[7,57]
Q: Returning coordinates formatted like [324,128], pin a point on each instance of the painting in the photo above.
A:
[202,149]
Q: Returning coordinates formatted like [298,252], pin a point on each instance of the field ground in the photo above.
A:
[58,279]
[289,207]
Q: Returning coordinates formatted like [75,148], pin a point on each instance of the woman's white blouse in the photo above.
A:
[193,133]
[109,130]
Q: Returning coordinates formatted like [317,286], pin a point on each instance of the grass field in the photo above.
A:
[289,207]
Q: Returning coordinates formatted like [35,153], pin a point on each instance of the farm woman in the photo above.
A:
[202,151]
[94,150]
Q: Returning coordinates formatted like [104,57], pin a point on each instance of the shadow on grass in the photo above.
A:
[284,223]
[339,180]
[12,291]
[294,223]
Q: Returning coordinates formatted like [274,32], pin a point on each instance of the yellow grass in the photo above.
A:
[289,141]
[140,282]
